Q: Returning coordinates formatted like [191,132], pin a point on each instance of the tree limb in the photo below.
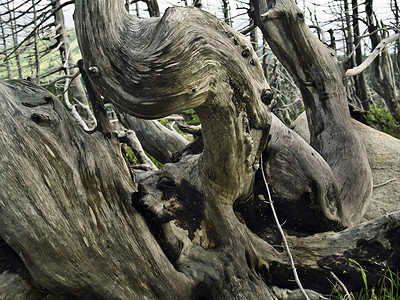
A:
[278,224]
[367,62]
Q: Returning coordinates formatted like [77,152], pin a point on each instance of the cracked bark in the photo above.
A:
[84,225]
[319,75]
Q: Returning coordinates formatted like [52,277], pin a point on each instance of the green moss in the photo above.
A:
[133,159]
[379,118]
[193,118]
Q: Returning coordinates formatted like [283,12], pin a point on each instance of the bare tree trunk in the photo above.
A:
[197,3]
[5,51]
[264,58]
[349,35]
[152,6]
[154,10]
[36,45]
[351,56]
[396,12]
[360,83]
[254,34]
[14,30]
[226,11]
[81,104]
[88,220]
[320,79]
[70,194]
[254,39]
[182,232]
[383,80]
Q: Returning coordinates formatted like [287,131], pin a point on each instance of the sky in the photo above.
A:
[382,7]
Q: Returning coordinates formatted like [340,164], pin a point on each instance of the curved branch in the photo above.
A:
[73,76]
[153,68]
[156,139]
[319,76]
[367,62]
[278,224]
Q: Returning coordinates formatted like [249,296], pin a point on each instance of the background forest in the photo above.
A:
[37,43]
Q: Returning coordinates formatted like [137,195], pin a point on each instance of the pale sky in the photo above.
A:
[382,7]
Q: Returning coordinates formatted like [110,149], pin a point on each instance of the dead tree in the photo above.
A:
[84,224]
[79,105]
[14,34]
[383,75]
[5,48]
[319,75]
[360,82]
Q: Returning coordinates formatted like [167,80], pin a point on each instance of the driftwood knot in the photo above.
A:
[94,70]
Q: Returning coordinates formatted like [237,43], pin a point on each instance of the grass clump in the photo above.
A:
[388,287]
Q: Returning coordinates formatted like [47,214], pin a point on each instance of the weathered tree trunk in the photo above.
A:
[80,107]
[36,45]
[319,76]
[351,58]
[154,10]
[75,191]
[373,244]
[226,11]
[5,48]
[348,33]
[84,224]
[383,80]
[14,34]
[66,210]
[360,83]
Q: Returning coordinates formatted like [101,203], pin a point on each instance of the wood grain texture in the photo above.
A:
[65,204]
[84,226]
[319,75]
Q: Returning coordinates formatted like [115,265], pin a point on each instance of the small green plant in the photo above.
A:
[193,117]
[388,287]
[379,118]
[133,159]
[130,155]
[364,291]
[158,164]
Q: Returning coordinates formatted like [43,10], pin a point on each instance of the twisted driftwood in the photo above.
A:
[84,225]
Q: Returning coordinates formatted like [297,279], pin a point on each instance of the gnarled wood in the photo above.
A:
[70,195]
[171,233]
[373,244]
[15,281]
[319,75]
[77,232]
[227,96]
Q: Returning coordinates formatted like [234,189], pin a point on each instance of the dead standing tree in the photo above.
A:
[383,81]
[319,75]
[69,216]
